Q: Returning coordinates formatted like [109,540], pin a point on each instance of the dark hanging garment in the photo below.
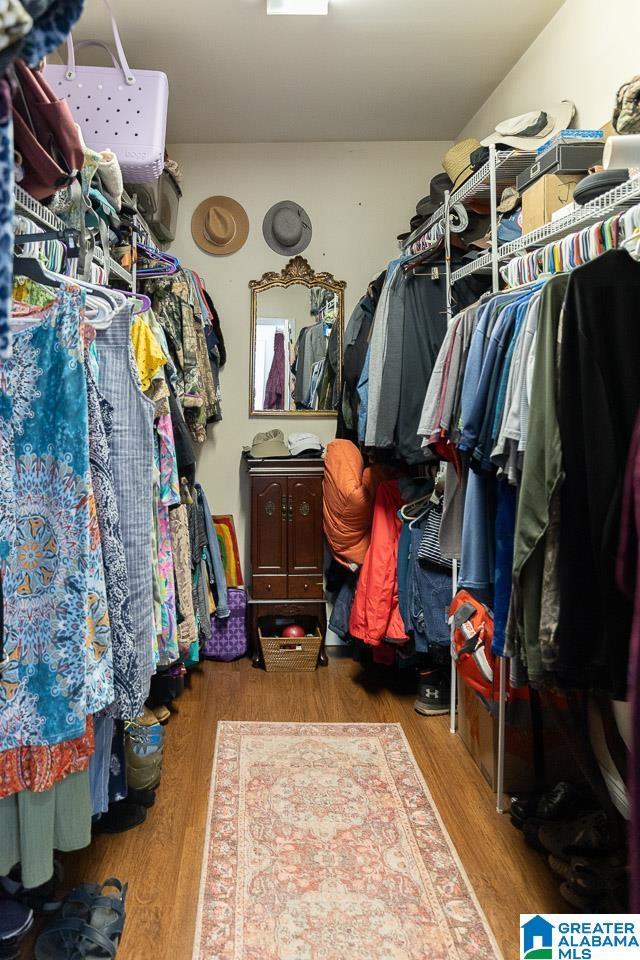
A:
[274,390]
[628,578]
[216,330]
[185,455]
[425,324]
[599,399]
[356,346]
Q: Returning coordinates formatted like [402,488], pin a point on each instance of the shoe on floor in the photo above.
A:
[563,801]
[590,835]
[161,713]
[120,817]
[434,693]
[16,919]
[143,797]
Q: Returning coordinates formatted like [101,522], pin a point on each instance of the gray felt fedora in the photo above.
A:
[287,228]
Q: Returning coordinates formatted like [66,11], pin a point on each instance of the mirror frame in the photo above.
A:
[296,271]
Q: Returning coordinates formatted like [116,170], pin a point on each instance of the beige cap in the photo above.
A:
[268,444]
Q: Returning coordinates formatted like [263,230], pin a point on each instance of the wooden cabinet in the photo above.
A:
[287,552]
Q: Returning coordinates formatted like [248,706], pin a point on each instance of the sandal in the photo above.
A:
[90,927]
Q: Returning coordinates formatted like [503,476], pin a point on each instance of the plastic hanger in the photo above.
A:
[33,269]
[143,302]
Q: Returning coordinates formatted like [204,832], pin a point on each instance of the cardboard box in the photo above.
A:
[478,730]
[545,196]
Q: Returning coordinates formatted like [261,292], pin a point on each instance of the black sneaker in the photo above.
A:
[434,693]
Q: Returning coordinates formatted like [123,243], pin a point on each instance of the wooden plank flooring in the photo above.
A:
[161,859]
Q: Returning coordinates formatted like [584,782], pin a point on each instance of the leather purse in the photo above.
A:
[44,135]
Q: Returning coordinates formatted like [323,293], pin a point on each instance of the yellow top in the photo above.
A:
[148,352]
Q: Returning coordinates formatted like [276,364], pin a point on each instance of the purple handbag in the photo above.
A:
[229,636]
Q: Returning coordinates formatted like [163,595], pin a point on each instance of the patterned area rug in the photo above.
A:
[323,843]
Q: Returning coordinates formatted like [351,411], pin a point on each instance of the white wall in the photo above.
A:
[583,54]
[359,196]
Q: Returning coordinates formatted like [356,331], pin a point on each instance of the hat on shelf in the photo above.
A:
[457,161]
[509,200]
[477,227]
[269,444]
[529,130]
[287,228]
[304,443]
[220,225]
[439,186]
[426,207]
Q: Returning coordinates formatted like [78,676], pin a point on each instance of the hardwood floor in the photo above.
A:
[161,859]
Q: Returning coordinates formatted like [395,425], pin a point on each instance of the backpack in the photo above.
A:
[471,643]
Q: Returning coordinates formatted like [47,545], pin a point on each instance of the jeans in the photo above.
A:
[215,558]
[429,592]
[99,765]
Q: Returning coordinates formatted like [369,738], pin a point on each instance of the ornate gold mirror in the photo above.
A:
[297,321]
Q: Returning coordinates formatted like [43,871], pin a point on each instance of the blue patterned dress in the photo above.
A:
[57,632]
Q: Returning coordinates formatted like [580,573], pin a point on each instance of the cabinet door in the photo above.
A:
[269,525]
[304,520]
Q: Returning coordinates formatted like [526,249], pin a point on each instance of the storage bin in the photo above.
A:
[284,655]
[158,202]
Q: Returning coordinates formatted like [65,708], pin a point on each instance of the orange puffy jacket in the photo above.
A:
[348,495]
[375,614]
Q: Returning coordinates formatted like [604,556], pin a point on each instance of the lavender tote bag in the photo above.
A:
[229,636]
[118,108]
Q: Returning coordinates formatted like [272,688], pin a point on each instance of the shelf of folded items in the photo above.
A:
[43,217]
[625,195]
[509,165]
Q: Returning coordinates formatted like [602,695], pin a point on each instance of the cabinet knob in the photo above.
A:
[268,586]
[306,586]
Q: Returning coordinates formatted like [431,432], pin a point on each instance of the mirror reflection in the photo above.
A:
[296,345]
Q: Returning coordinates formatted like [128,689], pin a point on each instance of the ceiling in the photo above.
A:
[371,70]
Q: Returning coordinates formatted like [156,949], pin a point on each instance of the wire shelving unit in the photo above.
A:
[43,217]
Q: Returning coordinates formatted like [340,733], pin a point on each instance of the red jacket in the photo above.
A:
[375,614]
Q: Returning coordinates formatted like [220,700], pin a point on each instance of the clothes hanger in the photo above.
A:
[33,269]
[403,512]
[166,265]
[143,302]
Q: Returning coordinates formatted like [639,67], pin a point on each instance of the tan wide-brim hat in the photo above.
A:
[220,225]
[457,161]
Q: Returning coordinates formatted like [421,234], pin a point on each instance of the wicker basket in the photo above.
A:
[283,655]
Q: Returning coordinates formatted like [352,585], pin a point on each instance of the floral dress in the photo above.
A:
[57,637]
[168,496]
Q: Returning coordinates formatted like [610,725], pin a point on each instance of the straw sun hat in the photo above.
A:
[457,161]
